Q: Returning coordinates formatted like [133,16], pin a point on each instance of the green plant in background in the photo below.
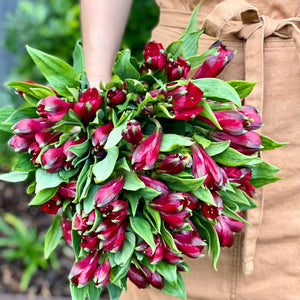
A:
[22,242]
[52,25]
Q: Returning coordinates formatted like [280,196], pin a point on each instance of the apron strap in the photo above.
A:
[244,21]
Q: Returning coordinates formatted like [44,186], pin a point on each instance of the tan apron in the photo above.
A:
[264,262]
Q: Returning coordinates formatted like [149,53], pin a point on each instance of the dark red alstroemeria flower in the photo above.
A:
[174,163]
[176,69]
[189,242]
[225,227]
[154,278]
[155,184]
[88,104]
[203,165]
[210,211]
[67,190]
[53,159]
[109,191]
[138,277]
[100,135]
[146,153]
[155,55]
[102,274]
[52,206]
[83,271]
[253,121]
[247,143]
[133,132]
[185,100]
[27,128]
[53,108]
[240,175]
[66,227]
[215,63]
[116,95]
[20,144]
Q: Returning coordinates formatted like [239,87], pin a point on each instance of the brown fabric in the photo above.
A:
[269,251]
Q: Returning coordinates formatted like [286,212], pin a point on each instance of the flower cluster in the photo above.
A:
[150,168]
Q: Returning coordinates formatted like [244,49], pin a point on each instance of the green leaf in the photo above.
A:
[204,194]
[208,232]
[43,196]
[35,90]
[104,168]
[85,186]
[132,182]
[59,74]
[262,173]
[148,193]
[76,240]
[217,147]
[123,67]
[114,291]
[190,43]
[182,184]
[202,140]
[193,21]
[168,238]
[118,273]
[167,270]
[209,114]
[52,237]
[217,89]
[155,217]
[232,214]
[198,60]
[269,144]
[122,256]
[238,197]
[80,149]
[172,141]
[83,177]
[115,135]
[176,289]
[123,164]
[134,86]
[14,176]
[20,114]
[67,174]
[142,228]
[93,292]
[5,113]
[231,157]
[176,49]
[41,93]
[88,201]
[133,198]
[78,58]
[23,163]
[45,180]
[78,293]
[243,88]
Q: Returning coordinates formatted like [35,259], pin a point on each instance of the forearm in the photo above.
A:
[102,25]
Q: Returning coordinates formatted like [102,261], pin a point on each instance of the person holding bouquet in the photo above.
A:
[263,262]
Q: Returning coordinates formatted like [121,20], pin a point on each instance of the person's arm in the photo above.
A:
[102,26]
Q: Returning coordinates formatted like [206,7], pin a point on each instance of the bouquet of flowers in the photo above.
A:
[150,168]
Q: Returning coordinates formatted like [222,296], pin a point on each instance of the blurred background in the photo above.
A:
[51,26]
